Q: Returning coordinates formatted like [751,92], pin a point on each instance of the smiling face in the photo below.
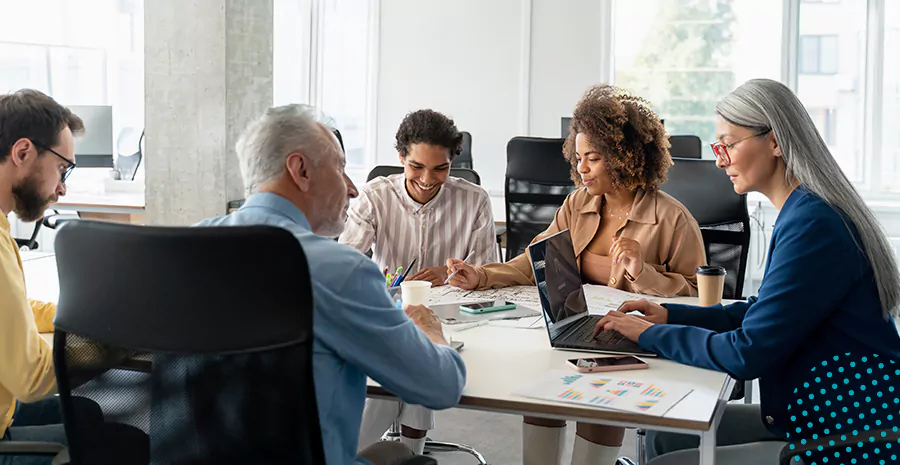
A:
[425,168]
[591,166]
[753,157]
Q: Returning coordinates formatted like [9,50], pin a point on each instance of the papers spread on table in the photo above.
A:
[521,295]
[603,391]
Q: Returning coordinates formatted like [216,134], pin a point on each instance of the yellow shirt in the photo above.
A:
[26,360]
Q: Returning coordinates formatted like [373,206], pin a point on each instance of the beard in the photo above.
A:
[30,204]
[334,225]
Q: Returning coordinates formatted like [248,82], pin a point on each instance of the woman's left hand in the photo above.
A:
[630,326]
[628,252]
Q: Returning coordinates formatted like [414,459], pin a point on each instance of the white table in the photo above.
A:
[501,360]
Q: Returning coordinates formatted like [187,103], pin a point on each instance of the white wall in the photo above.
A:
[500,68]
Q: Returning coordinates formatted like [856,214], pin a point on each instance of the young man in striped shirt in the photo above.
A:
[426,215]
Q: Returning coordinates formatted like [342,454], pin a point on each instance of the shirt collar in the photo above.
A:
[4,222]
[643,210]
[280,205]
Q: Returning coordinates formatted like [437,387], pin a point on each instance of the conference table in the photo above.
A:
[500,360]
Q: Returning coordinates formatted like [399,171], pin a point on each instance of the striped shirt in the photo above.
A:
[385,219]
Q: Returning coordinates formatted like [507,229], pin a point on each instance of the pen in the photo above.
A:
[408,269]
[468,257]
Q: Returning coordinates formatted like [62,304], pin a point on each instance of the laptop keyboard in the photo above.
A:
[585,334]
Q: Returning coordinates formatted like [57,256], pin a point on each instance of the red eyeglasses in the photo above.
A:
[721,150]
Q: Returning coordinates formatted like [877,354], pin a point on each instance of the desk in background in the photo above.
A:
[118,207]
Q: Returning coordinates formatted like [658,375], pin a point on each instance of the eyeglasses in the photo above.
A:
[721,150]
[70,165]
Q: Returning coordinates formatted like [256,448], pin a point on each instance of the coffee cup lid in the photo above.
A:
[711,270]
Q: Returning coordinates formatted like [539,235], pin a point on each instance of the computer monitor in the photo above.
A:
[94,149]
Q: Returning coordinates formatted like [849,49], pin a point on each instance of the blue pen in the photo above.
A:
[408,269]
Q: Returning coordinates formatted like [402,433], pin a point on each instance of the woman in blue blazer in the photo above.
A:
[820,336]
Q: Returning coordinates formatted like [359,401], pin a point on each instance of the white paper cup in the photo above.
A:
[415,292]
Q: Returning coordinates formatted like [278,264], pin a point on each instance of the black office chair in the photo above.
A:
[685,147]
[462,173]
[464,159]
[189,367]
[721,213]
[30,243]
[538,180]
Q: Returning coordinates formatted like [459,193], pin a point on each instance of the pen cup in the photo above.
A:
[415,292]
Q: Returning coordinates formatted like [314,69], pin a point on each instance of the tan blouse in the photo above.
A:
[671,245]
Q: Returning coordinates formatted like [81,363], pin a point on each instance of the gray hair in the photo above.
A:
[264,146]
[764,104]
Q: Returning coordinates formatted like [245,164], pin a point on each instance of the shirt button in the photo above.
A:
[770,420]
[612,281]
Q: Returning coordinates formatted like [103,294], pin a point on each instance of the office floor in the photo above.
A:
[498,437]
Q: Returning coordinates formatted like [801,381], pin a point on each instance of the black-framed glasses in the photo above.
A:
[70,165]
[721,149]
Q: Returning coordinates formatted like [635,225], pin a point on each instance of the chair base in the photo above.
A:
[438,446]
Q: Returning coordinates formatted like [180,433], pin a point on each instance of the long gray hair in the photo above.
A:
[762,104]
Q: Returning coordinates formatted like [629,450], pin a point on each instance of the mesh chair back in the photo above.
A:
[463,173]
[193,355]
[464,159]
[537,182]
[721,213]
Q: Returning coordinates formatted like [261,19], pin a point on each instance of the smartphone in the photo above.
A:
[611,363]
[487,307]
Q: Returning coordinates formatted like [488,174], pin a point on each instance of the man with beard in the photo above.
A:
[293,167]
[37,153]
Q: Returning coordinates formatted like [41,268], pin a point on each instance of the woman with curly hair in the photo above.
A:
[627,234]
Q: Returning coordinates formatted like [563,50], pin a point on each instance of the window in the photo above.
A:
[890,132]
[831,65]
[818,54]
[89,53]
[826,123]
[331,67]
[686,55]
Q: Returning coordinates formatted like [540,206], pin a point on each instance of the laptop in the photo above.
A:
[565,308]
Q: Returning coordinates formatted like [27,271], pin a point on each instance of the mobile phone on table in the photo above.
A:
[478,308]
[610,363]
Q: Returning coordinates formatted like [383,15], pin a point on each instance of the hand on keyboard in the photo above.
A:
[628,326]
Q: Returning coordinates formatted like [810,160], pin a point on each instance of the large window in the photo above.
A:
[890,133]
[89,52]
[330,66]
[831,66]
[685,55]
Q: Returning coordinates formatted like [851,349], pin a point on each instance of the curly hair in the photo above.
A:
[627,131]
[428,127]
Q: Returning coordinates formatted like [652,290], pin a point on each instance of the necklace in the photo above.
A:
[615,214]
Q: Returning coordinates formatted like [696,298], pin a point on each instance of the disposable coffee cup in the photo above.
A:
[415,292]
[710,284]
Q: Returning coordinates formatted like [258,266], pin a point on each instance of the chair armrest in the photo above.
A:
[31,448]
[417,460]
[55,220]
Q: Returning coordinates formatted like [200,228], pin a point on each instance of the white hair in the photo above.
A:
[264,146]
[763,104]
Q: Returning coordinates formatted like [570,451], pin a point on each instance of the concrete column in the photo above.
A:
[208,73]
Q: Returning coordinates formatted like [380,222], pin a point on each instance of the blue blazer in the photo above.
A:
[817,305]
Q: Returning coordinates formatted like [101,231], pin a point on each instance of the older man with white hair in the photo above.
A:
[293,167]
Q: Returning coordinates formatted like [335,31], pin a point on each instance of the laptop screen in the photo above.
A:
[558,279]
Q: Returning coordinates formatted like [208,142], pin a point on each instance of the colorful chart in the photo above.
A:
[645,405]
[598,383]
[602,400]
[619,392]
[633,384]
[567,380]
[653,391]
[571,394]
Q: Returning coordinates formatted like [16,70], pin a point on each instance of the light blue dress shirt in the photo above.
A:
[358,332]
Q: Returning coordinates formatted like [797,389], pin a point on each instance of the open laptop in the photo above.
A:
[565,308]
